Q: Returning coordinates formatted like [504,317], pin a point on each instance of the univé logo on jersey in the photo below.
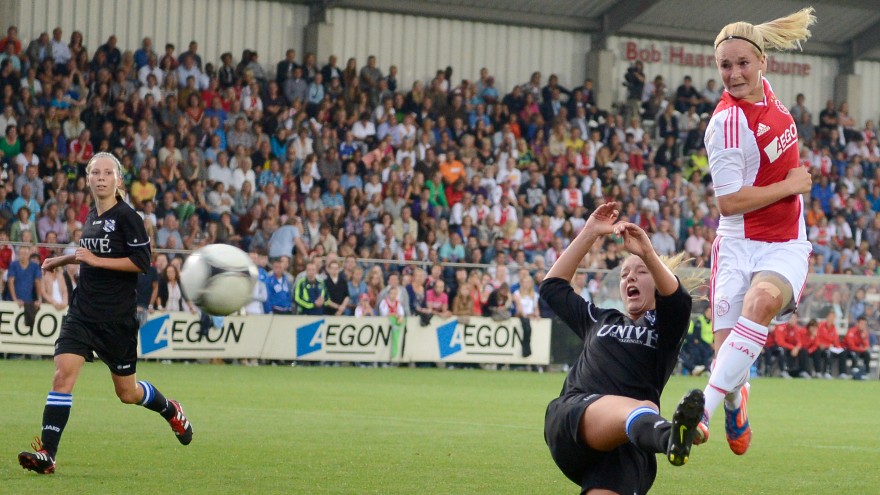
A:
[504,338]
[781,143]
[368,337]
[186,334]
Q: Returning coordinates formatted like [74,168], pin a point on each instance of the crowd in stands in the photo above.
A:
[336,179]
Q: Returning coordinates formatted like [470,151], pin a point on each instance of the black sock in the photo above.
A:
[648,430]
[155,401]
[55,416]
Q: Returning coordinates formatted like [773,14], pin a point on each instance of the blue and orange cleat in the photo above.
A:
[736,424]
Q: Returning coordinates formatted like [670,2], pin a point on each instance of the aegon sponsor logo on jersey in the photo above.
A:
[101,245]
[781,143]
[630,334]
[365,339]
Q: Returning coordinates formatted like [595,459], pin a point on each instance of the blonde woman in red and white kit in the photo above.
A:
[760,257]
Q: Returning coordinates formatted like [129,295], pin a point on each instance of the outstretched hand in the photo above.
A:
[635,240]
[601,221]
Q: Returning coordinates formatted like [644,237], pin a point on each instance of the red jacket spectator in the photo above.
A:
[454,195]
[857,339]
[809,342]
[787,335]
[826,335]
[5,256]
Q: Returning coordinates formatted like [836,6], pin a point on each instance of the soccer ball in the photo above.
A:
[219,279]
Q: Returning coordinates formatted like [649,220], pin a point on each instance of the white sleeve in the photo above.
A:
[726,159]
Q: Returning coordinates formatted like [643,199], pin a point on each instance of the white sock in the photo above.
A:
[734,361]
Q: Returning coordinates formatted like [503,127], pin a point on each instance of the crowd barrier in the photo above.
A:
[179,335]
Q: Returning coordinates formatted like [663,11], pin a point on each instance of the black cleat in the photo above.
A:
[39,462]
[684,427]
[180,425]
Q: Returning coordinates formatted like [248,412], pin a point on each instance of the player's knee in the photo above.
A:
[762,303]
[62,381]
[649,404]
[128,396]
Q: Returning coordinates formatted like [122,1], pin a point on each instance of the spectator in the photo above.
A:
[357,289]
[337,291]
[310,293]
[279,289]
[464,304]
[697,350]
[296,88]
[828,342]
[390,305]
[663,241]
[169,235]
[170,294]
[437,301]
[499,303]
[788,339]
[858,347]
[810,354]
[24,279]
[364,308]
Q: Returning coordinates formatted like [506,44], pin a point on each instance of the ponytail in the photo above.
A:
[691,279]
[785,33]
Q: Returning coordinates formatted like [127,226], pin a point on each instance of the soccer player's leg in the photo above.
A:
[143,393]
[119,353]
[613,420]
[768,294]
[55,415]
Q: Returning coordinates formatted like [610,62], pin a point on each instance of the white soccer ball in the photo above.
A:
[219,279]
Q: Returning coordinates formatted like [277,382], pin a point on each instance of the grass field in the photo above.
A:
[316,430]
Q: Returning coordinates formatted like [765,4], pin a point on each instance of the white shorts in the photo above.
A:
[736,261]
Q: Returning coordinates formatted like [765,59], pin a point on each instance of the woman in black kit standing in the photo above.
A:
[605,429]
[113,249]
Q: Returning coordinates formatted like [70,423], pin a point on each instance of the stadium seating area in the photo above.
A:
[303,162]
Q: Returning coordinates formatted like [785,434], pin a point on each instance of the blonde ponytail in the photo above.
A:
[692,279]
[785,33]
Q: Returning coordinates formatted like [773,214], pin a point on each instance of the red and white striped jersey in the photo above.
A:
[755,144]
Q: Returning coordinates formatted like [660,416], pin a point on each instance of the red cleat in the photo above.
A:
[40,461]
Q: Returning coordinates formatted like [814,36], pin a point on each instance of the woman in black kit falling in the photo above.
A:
[604,429]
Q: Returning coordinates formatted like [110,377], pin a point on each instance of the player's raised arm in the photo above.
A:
[599,224]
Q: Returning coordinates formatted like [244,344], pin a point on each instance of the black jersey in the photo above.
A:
[110,295]
[621,356]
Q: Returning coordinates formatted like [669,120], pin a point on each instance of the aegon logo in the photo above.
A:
[781,143]
[161,332]
[359,339]
[495,339]
[46,326]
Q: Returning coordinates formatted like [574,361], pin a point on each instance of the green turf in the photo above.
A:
[405,431]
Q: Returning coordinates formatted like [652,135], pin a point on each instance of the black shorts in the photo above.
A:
[625,470]
[115,342]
